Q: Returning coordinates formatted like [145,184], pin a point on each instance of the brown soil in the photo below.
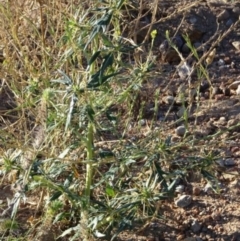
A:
[217,214]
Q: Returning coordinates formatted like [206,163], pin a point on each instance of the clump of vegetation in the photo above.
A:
[73,136]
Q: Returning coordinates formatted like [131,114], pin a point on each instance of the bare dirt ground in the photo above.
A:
[209,216]
[215,216]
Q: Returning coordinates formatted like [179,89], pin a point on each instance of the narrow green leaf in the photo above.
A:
[94,57]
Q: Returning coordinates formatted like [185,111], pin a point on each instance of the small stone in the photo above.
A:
[180,131]
[226,91]
[184,71]
[182,111]
[220,162]
[236,45]
[229,162]
[236,10]
[169,100]
[183,201]
[193,20]
[224,15]
[197,45]
[142,122]
[221,62]
[222,119]
[229,22]
[196,191]
[195,226]
[227,60]
[180,188]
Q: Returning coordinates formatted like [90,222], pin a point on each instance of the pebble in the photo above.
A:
[236,45]
[220,162]
[169,99]
[197,45]
[229,162]
[182,111]
[142,122]
[229,22]
[236,10]
[183,201]
[184,71]
[180,188]
[180,131]
[221,62]
[195,226]
[224,15]
[222,119]
[227,60]
[196,191]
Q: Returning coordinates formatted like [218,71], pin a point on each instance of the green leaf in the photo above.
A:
[94,57]
[96,81]
[110,191]
[106,41]
[90,112]
[55,196]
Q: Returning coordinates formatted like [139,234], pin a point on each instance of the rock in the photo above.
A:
[204,86]
[142,122]
[229,162]
[221,62]
[183,201]
[184,71]
[224,15]
[180,188]
[195,226]
[182,111]
[236,45]
[222,119]
[229,22]
[180,131]
[220,162]
[227,60]
[196,191]
[197,45]
[236,10]
[169,99]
